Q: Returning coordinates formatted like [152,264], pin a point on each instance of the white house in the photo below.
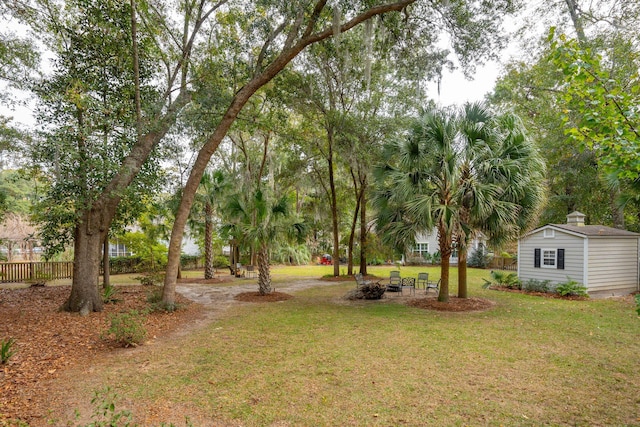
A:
[427,244]
[603,259]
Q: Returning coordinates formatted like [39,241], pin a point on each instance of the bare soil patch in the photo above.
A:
[257,297]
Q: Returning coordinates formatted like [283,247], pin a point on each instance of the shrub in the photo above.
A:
[638,304]
[109,293]
[533,285]
[220,261]
[571,287]
[479,258]
[501,278]
[127,328]
[190,261]
[151,278]
[6,349]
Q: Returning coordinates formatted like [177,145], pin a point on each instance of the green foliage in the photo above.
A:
[189,261]
[479,258]
[7,349]
[125,264]
[151,278]
[637,298]
[109,294]
[501,278]
[601,106]
[220,261]
[127,328]
[153,254]
[533,285]
[571,287]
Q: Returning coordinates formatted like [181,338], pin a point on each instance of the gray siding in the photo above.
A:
[613,264]
[573,257]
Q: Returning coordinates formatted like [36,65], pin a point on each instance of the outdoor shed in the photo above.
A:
[603,259]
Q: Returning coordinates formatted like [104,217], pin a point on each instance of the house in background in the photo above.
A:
[427,245]
[603,259]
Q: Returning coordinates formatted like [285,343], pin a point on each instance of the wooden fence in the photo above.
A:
[501,263]
[34,271]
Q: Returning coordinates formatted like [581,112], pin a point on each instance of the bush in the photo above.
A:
[6,350]
[127,328]
[190,261]
[501,278]
[151,278]
[124,264]
[571,287]
[638,304]
[533,285]
[220,261]
[109,294]
[479,258]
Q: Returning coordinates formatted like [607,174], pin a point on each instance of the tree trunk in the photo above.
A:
[462,272]
[264,272]
[262,77]
[85,297]
[444,241]
[105,263]
[209,271]
[352,236]
[334,208]
[363,230]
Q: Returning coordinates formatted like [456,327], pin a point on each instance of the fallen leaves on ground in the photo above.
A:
[49,340]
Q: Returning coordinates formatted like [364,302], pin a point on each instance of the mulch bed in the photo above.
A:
[49,340]
[455,304]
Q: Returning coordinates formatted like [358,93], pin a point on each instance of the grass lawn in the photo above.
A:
[318,360]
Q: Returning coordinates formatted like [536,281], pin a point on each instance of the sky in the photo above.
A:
[455,89]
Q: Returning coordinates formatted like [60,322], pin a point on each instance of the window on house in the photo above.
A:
[549,258]
[549,234]
[421,250]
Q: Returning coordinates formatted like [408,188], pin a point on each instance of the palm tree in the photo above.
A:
[460,172]
[212,187]
[259,221]
[502,180]
[416,188]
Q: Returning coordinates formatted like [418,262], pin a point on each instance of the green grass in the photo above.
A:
[318,360]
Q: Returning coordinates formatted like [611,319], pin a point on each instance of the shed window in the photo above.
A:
[549,234]
[549,258]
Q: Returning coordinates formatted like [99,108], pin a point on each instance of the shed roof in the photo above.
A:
[589,230]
